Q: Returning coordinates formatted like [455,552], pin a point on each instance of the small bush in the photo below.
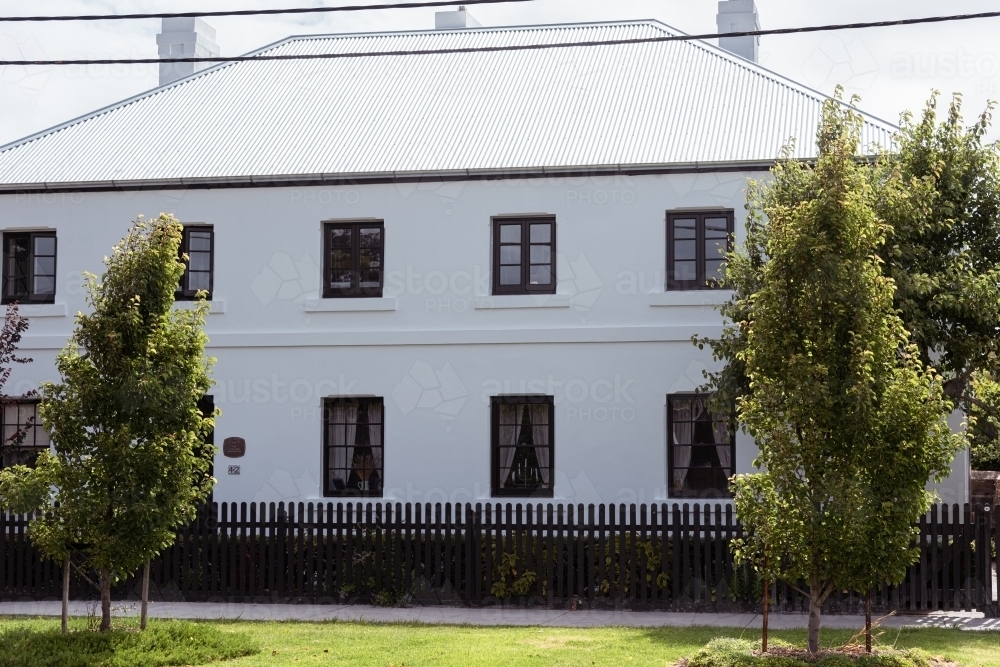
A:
[162,643]
[728,652]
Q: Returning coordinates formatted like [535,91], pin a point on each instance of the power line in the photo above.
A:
[252,12]
[493,49]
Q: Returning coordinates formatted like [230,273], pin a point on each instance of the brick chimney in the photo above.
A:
[739,16]
[180,38]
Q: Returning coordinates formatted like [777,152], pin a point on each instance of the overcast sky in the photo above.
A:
[893,69]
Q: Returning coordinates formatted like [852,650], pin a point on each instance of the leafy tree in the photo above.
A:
[849,421]
[942,250]
[130,463]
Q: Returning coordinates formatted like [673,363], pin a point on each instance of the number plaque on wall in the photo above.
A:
[234,447]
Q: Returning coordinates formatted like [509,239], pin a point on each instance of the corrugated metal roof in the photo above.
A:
[662,103]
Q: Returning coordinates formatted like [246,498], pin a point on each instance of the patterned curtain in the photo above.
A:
[540,436]
[510,422]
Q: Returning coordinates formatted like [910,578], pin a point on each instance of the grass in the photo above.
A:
[411,645]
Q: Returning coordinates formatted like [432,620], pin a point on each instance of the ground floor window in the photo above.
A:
[23,434]
[700,448]
[353,444]
[523,436]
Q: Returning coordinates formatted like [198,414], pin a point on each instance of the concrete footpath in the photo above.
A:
[494,616]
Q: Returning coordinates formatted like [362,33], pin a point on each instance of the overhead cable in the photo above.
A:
[493,49]
[250,12]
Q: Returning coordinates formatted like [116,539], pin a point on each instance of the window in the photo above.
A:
[524,256]
[23,435]
[523,433]
[29,267]
[352,259]
[353,442]
[700,450]
[697,244]
[199,246]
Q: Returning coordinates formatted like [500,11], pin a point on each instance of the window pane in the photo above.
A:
[370,278]
[685,271]
[371,237]
[199,261]
[715,270]
[682,456]
[685,249]
[715,249]
[198,280]
[510,233]
[45,285]
[541,233]
[341,280]
[371,259]
[541,275]
[340,259]
[199,241]
[510,275]
[45,266]
[510,254]
[541,254]
[684,229]
[45,245]
[340,237]
[716,228]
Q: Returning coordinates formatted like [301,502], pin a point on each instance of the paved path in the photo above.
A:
[495,616]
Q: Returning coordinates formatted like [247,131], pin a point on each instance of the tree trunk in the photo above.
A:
[868,622]
[65,596]
[815,607]
[145,596]
[763,635]
[105,599]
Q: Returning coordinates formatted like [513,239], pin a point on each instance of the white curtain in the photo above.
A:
[540,437]
[350,433]
[682,427]
[375,434]
[338,456]
[510,423]
[725,451]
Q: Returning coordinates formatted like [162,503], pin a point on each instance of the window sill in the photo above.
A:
[502,301]
[350,304]
[690,298]
[42,309]
[215,307]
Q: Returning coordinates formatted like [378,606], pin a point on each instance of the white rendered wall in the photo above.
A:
[609,345]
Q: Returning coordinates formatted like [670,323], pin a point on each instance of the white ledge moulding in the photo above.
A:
[690,298]
[500,301]
[42,309]
[350,305]
[215,307]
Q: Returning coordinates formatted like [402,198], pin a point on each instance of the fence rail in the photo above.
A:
[622,556]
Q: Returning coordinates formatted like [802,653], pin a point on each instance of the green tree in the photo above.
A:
[130,463]
[849,422]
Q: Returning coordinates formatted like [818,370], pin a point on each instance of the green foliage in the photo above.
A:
[984,421]
[730,652]
[521,584]
[163,643]
[130,463]
[849,421]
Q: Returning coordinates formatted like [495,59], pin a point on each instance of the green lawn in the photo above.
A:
[399,645]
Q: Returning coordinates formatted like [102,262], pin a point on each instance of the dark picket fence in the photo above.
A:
[641,557]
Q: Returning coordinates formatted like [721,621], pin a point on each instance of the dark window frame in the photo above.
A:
[23,448]
[524,287]
[534,399]
[705,494]
[354,291]
[328,403]
[700,282]
[29,296]
[183,293]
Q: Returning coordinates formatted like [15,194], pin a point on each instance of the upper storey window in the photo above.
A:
[697,243]
[524,255]
[353,259]
[199,247]
[29,267]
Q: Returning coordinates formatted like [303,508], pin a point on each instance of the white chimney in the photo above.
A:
[739,16]
[455,20]
[185,38]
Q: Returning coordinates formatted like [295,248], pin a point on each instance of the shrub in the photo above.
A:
[728,652]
